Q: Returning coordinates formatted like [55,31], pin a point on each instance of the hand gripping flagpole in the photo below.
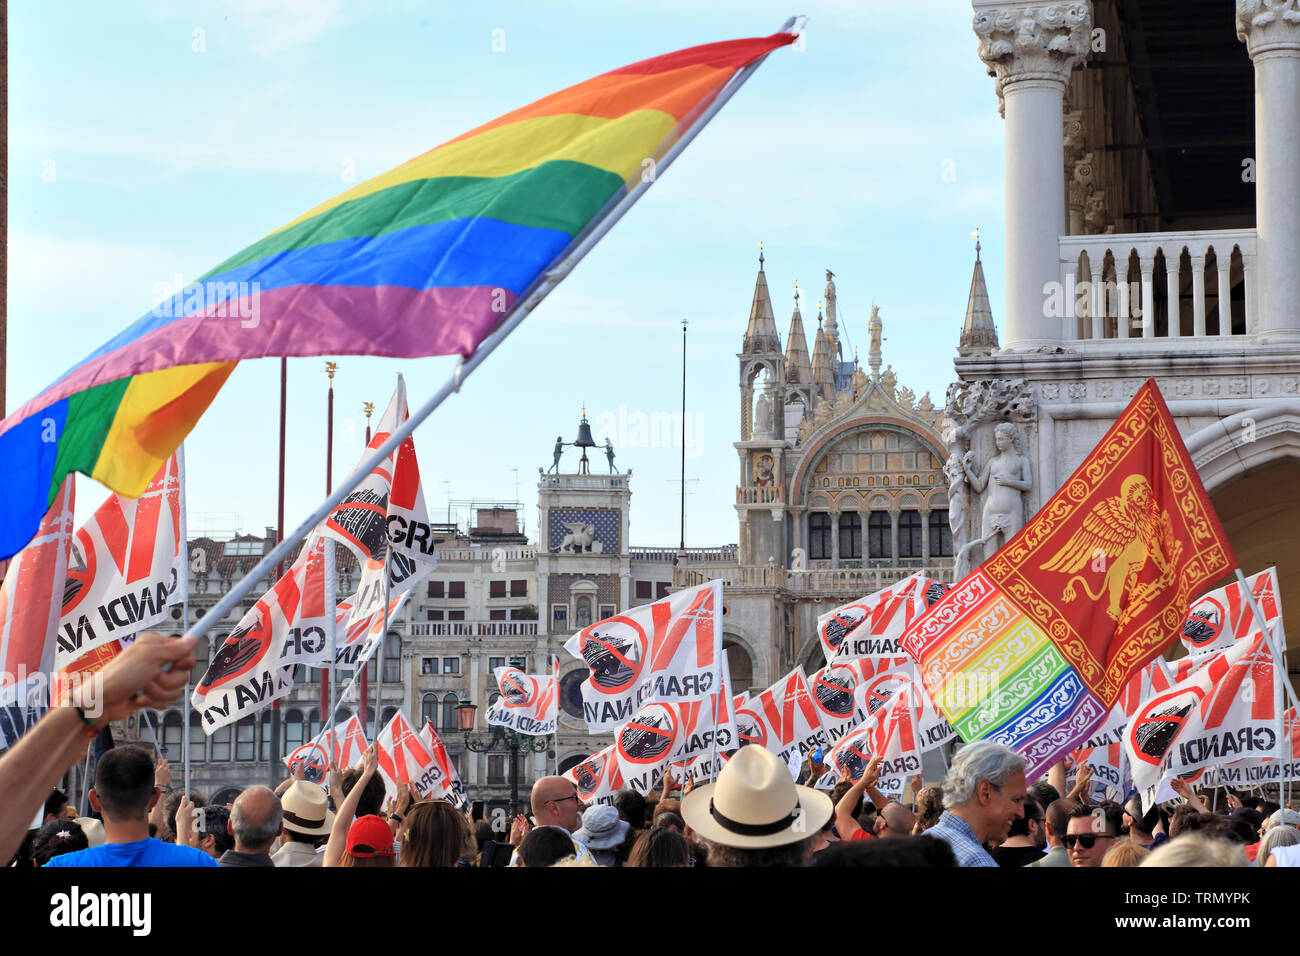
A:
[532,296]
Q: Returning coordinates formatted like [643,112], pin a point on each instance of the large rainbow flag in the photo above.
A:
[426,259]
[1033,648]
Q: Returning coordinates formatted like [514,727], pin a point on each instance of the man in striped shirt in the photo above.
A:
[983,794]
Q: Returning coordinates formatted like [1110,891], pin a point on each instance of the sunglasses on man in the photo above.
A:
[1085,840]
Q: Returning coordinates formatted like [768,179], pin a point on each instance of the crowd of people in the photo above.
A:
[753,815]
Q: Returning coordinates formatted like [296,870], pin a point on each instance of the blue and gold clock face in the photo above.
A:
[571,693]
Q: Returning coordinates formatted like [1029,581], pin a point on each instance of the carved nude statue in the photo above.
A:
[1007,475]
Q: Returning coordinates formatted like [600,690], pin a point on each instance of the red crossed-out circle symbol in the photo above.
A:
[517,688]
[840,624]
[1158,723]
[750,729]
[833,691]
[854,756]
[1204,622]
[615,651]
[81,571]
[589,774]
[649,735]
[881,690]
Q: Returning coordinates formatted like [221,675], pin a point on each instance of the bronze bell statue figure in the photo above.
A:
[584,442]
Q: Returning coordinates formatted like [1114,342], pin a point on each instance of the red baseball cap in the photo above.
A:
[370,836]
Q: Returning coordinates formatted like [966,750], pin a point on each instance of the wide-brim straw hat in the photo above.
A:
[306,809]
[754,804]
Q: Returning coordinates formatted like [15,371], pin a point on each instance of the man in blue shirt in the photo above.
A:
[124,793]
[983,794]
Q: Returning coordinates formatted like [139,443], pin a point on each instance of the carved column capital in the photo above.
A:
[1039,41]
[1268,25]
[1072,136]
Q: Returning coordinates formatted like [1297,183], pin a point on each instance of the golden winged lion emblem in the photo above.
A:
[1118,537]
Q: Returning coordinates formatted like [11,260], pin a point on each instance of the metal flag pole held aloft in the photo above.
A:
[582,244]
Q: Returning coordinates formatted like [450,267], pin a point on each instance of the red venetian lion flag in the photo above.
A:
[1033,648]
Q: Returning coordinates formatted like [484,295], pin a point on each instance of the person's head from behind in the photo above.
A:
[171,804]
[1031,824]
[1090,832]
[895,820]
[255,820]
[370,843]
[124,790]
[436,834]
[56,837]
[55,804]
[660,846]
[544,846]
[986,788]
[1044,793]
[1274,838]
[1056,820]
[1196,850]
[372,798]
[1125,853]
[631,807]
[754,815]
[213,829]
[555,803]
[912,852]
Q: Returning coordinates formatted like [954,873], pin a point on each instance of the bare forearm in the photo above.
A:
[32,767]
[878,799]
[338,840]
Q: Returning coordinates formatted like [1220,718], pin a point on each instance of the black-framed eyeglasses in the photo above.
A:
[1085,840]
[572,796]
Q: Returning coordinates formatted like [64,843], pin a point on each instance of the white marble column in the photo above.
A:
[1271,31]
[1031,47]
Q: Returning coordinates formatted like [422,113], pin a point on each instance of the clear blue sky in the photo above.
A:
[151,140]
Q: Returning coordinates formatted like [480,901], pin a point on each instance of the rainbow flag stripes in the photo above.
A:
[425,259]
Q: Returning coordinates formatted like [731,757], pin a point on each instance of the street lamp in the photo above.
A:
[502,738]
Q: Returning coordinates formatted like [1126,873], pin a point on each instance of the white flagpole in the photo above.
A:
[532,296]
[383,639]
[331,628]
[186,706]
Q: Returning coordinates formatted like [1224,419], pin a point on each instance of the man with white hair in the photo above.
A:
[984,792]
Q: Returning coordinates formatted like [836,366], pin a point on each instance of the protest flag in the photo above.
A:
[30,599]
[286,627]
[528,702]
[597,779]
[664,652]
[127,565]
[448,782]
[1033,648]
[871,627]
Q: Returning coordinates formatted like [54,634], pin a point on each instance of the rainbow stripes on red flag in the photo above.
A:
[1033,648]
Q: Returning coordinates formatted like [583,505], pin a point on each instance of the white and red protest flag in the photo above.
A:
[528,702]
[1110,776]
[452,789]
[597,778]
[286,627]
[1225,711]
[1223,616]
[127,565]
[32,592]
[707,726]
[645,745]
[383,520]
[872,626]
[664,652]
[315,755]
[357,638]
[30,598]
[789,724]
[891,732]
[1258,772]
[351,743]
[406,758]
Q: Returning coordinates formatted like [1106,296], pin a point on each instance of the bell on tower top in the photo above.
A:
[584,441]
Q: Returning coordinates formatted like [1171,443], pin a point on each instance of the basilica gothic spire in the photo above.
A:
[761,335]
[978,333]
[823,369]
[798,366]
